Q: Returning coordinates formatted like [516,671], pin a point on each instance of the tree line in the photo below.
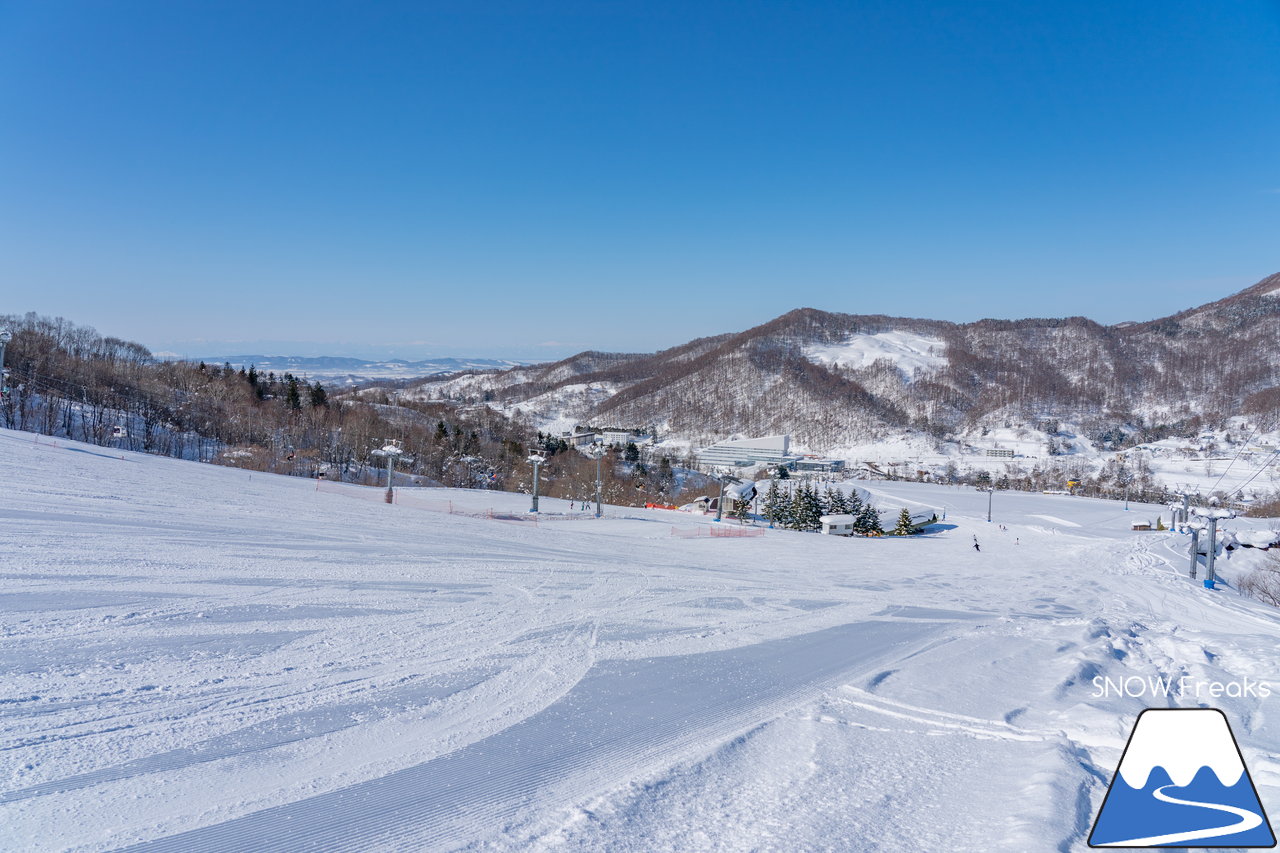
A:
[67,380]
[802,506]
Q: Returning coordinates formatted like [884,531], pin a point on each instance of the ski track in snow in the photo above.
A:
[196,658]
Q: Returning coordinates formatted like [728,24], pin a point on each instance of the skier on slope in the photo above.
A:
[975,544]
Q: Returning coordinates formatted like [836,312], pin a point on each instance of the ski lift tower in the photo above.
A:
[1181,508]
[536,459]
[1195,526]
[722,475]
[391,451]
[597,451]
[5,337]
[1211,517]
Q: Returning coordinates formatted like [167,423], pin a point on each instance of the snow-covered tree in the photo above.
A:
[834,501]
[904,526]
[772,504]
[806,509]
[867,521]
[853,503]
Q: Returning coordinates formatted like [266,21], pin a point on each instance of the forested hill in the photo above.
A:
[68,380]
[833,380]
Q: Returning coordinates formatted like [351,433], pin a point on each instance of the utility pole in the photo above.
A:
[990,493]
[537,459]
[597,450]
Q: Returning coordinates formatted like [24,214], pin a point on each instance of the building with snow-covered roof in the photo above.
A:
[582,438]
[839,524]
[619,435]
[747,452]
[820,465]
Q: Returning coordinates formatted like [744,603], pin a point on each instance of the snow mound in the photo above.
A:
[1258,538]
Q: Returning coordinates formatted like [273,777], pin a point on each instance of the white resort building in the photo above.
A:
[747,452]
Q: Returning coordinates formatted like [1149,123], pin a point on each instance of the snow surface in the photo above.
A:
[907,351]
[199,658]
[1219,460]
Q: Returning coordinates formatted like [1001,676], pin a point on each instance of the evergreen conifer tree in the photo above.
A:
[772,499]
[836,503]
[807,508]
[783,513]
[867,522]
[904,527]
[795,509]
[292,398]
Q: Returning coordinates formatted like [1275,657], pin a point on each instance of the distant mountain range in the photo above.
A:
[354,370]
[838,380]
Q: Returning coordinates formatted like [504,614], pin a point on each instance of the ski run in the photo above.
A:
[197,658]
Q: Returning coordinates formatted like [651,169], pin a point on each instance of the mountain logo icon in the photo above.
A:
[1182,782]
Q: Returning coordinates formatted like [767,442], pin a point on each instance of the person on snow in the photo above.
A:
[975,544]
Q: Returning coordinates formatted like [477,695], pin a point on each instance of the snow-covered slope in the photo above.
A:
[909,353]
[199,658]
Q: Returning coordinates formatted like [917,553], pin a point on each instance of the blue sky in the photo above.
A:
[531,179]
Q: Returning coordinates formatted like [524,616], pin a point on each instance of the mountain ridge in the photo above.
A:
[1207,362]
